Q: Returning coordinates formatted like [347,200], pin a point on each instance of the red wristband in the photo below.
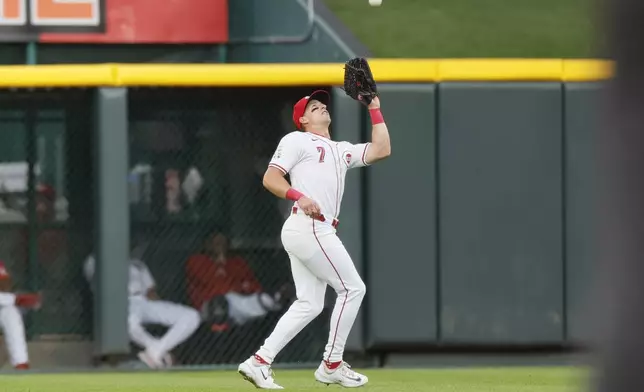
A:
[294,195]
[376,116]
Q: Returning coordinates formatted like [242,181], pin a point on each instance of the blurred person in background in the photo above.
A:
[52,242]
[221,282]
[11,321]
[146,307]
[621,321]
[49,272]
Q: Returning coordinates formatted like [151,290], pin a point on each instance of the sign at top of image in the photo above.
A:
[51,15]
[114,21]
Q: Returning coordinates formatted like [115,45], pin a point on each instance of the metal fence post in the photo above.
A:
[112,230]
[33,230]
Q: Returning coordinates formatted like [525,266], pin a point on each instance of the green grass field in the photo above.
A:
[514,379]
[473,28]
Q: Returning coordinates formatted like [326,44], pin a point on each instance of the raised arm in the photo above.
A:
[380,147]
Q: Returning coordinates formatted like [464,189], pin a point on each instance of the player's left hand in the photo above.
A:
[359,83]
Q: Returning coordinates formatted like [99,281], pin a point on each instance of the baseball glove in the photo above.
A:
[358,80]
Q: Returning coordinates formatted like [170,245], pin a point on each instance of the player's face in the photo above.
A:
[316,114]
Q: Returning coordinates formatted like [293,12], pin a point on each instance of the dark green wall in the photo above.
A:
[581,218]
[401,222]
[501,212]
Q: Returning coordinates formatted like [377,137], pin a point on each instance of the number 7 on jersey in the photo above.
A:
[322,152]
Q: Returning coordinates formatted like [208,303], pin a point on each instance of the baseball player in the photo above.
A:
[215,272]
[145,307]
[13,327]
[317,167]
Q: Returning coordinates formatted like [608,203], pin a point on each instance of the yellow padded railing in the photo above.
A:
[305,74]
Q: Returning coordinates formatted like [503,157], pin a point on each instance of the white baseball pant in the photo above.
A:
[182,320]
[13,328]
[318,258]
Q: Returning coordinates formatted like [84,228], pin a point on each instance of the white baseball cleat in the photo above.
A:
[343,375]
[150,359]
[258,374]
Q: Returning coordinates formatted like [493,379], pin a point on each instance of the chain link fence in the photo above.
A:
[45,218]
[202,226]
[205,227]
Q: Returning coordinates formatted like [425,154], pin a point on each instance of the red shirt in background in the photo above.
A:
[207,278]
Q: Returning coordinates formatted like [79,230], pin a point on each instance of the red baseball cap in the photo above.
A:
[300,107]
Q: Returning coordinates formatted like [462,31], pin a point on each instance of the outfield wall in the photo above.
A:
[493,244]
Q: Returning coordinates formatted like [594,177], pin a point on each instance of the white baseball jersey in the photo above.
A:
[317,167]
[140,279]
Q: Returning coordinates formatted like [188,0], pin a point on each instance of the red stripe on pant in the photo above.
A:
[346,292]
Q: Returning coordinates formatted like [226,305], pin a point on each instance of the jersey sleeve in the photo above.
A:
[357,155]
[286,155]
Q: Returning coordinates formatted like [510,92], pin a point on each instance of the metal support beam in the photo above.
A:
[112,226]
